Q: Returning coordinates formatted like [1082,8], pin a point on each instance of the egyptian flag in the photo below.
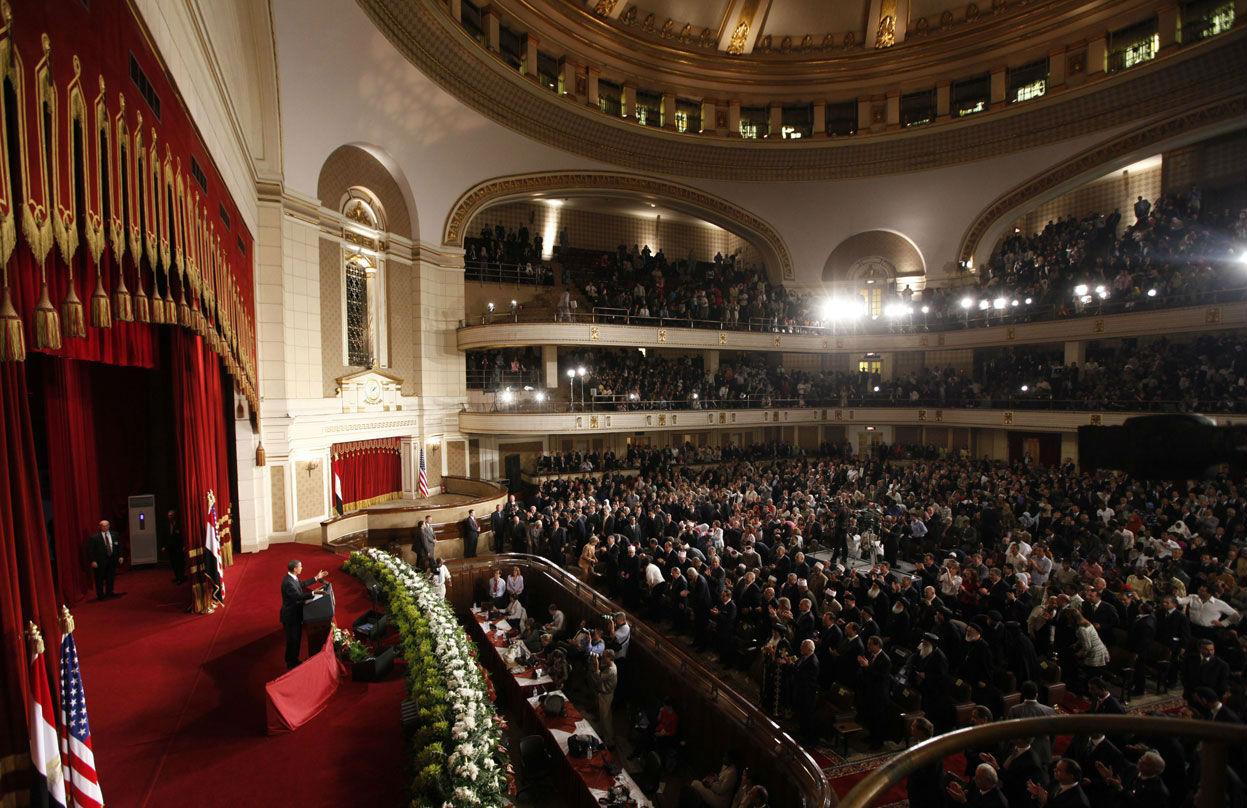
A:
[337,494]
[48,788]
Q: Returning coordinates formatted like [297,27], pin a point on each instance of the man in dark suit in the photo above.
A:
[1022,766]
[175,548]
[874,690]
[293,595]
[1206,669]
[924,786]
[982,792]
[498,524]
[1066,792]
[471,532]
[805,692]
[1145,789]
[105,553]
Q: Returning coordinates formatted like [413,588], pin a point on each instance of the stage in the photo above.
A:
[177,704]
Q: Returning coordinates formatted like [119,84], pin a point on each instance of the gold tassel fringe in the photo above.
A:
[73,314]
[184,315]
[142,307]
[12,332]
[101,307]
[122,301]
[47,323]
[158,307]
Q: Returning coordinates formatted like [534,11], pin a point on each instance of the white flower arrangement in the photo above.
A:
[475,772]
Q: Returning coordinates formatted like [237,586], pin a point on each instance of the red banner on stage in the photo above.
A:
[298,695]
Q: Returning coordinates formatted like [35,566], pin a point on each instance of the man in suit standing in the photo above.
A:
[175,548]
[1066,792]
[426,546]
[293,595]
[498,524]
[1031,708]
[805,692]
[873,692]
[471,531]
[105,553]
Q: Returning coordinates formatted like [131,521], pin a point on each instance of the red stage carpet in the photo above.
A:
[176,701]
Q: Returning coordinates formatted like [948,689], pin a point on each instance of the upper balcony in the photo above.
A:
[992,326]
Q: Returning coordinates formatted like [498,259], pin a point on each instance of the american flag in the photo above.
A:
[212,541]
[84,782]
[423,485]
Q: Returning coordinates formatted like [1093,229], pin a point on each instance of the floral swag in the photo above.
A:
[451,692]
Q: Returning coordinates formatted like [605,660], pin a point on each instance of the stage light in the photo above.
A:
[633,396]
[966,302]
[1242,259]
[1103,293]
[1029,301]
[998,303]
[696,396]
[490,305]
[1080,290]
[1025,388]
[580,371]
[1151,293]
[571,374]
[876,388]
[891,310]
[1015,303]
[528,388]
[541,397]
[1085,298]
[514,303]
[507,396]
[984,304]
[926,309]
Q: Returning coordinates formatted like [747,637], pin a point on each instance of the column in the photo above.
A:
[733,118]
[1075,352]
[893,117]
[456,10]
[710,362]
[1056,69]
[531,42]
[865,115]
[999,85]
[567,77]
[775,121]
[709,115]
[943,100]
[493,28]
[668,110]
[550,365]
[820,118]
[1097,55]
[887,366]
[1167,18]
[591,86]
[629,101]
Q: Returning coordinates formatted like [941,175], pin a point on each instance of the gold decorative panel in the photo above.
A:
[277,497]
[662,335]
[1213,315]
[1099,326]
[1097,419]
[309,489]
[594,334]
[1009,417]
[457,458]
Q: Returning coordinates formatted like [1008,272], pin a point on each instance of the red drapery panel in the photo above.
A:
[199,424]
[26,587]
[74,472]
[298,695]
[371,471]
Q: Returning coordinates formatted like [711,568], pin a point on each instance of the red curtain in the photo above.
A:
[371,471]
[199,426]
[26,587]
[73,471]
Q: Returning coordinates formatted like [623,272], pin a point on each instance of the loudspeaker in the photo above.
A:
[374,669]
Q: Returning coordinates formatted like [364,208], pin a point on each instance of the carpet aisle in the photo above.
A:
[177,700]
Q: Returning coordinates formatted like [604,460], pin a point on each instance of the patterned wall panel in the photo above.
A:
[433,458]
[331,315]
[457,458]
[350,166]
[1116,191]
[277,474]
[403,323]
[1215,163]
[309,487]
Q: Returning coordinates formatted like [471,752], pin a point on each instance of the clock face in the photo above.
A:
[372,391]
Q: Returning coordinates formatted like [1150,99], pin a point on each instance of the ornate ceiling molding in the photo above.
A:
[713,208]
[423,32]
[1092,161]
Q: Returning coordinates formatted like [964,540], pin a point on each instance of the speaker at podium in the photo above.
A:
[318,617]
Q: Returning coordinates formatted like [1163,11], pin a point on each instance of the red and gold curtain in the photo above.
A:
[371,471]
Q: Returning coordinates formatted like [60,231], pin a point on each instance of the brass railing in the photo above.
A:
[1216,738]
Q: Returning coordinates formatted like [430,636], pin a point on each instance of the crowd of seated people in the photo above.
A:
[1207,373]
[1028,583]
[513,256]
[647,457]
[507,367]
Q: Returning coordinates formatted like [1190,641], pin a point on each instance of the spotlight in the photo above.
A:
[1080,289]
[1028,301]
[580,371]
[514,303]
[541,397]
[876,388]
[998,303]
[633,396]
[1242,259]
[984,304]
[528,388]
[507,396]
[1025,388]
[1099,290]
[490,305]
[926,309]
[1151,293]
[1015,303]
[571,374]
[1085,298]
[696,396]
[1103,293]
[966,302]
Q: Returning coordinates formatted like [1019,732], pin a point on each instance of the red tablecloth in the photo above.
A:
[298,695]
[591,769]
[563,723]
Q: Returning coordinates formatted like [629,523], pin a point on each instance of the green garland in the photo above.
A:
[457,754]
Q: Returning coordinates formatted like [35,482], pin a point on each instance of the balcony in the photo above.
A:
[980,329]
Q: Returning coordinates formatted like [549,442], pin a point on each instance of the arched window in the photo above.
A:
[360,274]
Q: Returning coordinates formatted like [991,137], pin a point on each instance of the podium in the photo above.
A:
[318,617]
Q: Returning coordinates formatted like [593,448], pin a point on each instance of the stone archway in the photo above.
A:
[713,209]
